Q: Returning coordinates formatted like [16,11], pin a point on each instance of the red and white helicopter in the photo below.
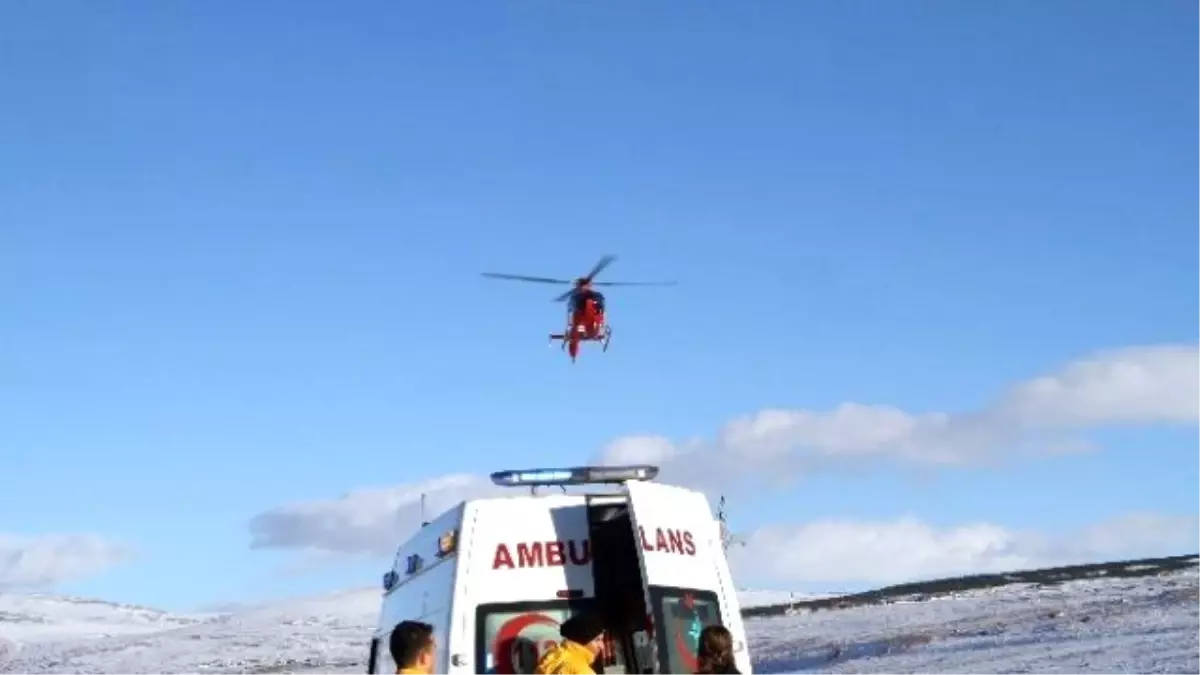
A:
[586,319]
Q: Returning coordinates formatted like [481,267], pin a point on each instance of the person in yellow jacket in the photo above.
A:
[583,640]
[413,647]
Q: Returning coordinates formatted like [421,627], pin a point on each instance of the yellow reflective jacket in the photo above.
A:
[567,658]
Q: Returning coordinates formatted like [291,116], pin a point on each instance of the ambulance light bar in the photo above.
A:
[579,475]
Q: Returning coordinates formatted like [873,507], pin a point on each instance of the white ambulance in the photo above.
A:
[496,577]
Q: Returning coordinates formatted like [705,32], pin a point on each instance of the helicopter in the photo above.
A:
[586,307]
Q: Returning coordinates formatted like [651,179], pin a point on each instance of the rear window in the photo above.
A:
[679,616]
[512,637]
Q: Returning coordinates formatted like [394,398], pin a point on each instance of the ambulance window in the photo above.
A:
[512,637]
[679,616]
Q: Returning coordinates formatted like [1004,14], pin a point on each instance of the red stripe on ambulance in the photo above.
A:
[558,553]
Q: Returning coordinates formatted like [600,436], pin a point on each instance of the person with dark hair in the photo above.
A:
[413,647]
[583,640]
[715,654]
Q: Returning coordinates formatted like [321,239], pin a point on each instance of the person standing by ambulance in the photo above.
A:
[583,640]
[716,651]
[413,647]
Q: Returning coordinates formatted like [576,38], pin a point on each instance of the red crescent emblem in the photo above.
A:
[509,633]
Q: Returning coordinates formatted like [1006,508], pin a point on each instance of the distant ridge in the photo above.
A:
[924,590]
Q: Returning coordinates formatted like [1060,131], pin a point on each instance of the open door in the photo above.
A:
[616,578]
[684,573]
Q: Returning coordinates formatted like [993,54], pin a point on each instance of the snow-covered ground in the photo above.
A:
[1144,625]
[36,617]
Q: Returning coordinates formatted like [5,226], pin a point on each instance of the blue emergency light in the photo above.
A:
[579,475]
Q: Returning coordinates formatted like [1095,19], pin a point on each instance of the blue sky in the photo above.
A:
[240,249]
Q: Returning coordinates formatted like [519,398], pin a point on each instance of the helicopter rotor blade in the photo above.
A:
[635,283]
[521,277]
[605,261]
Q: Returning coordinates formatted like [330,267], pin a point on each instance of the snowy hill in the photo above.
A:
[925,590]
[53,634]
[1100,624]
[26,618]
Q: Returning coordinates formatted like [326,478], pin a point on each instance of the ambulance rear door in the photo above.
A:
[684,572]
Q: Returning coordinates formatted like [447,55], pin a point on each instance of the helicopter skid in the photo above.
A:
[603,338]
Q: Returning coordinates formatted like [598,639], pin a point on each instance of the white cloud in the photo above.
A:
[1131,386]
[46,560]
[640,449]
[1140,385]
[1136,385]
[885,551]
[1136,535]
[370,520]
[906,549]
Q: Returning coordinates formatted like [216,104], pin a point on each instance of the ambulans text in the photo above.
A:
[557,553]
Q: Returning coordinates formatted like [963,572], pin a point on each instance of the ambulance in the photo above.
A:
[496,577]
